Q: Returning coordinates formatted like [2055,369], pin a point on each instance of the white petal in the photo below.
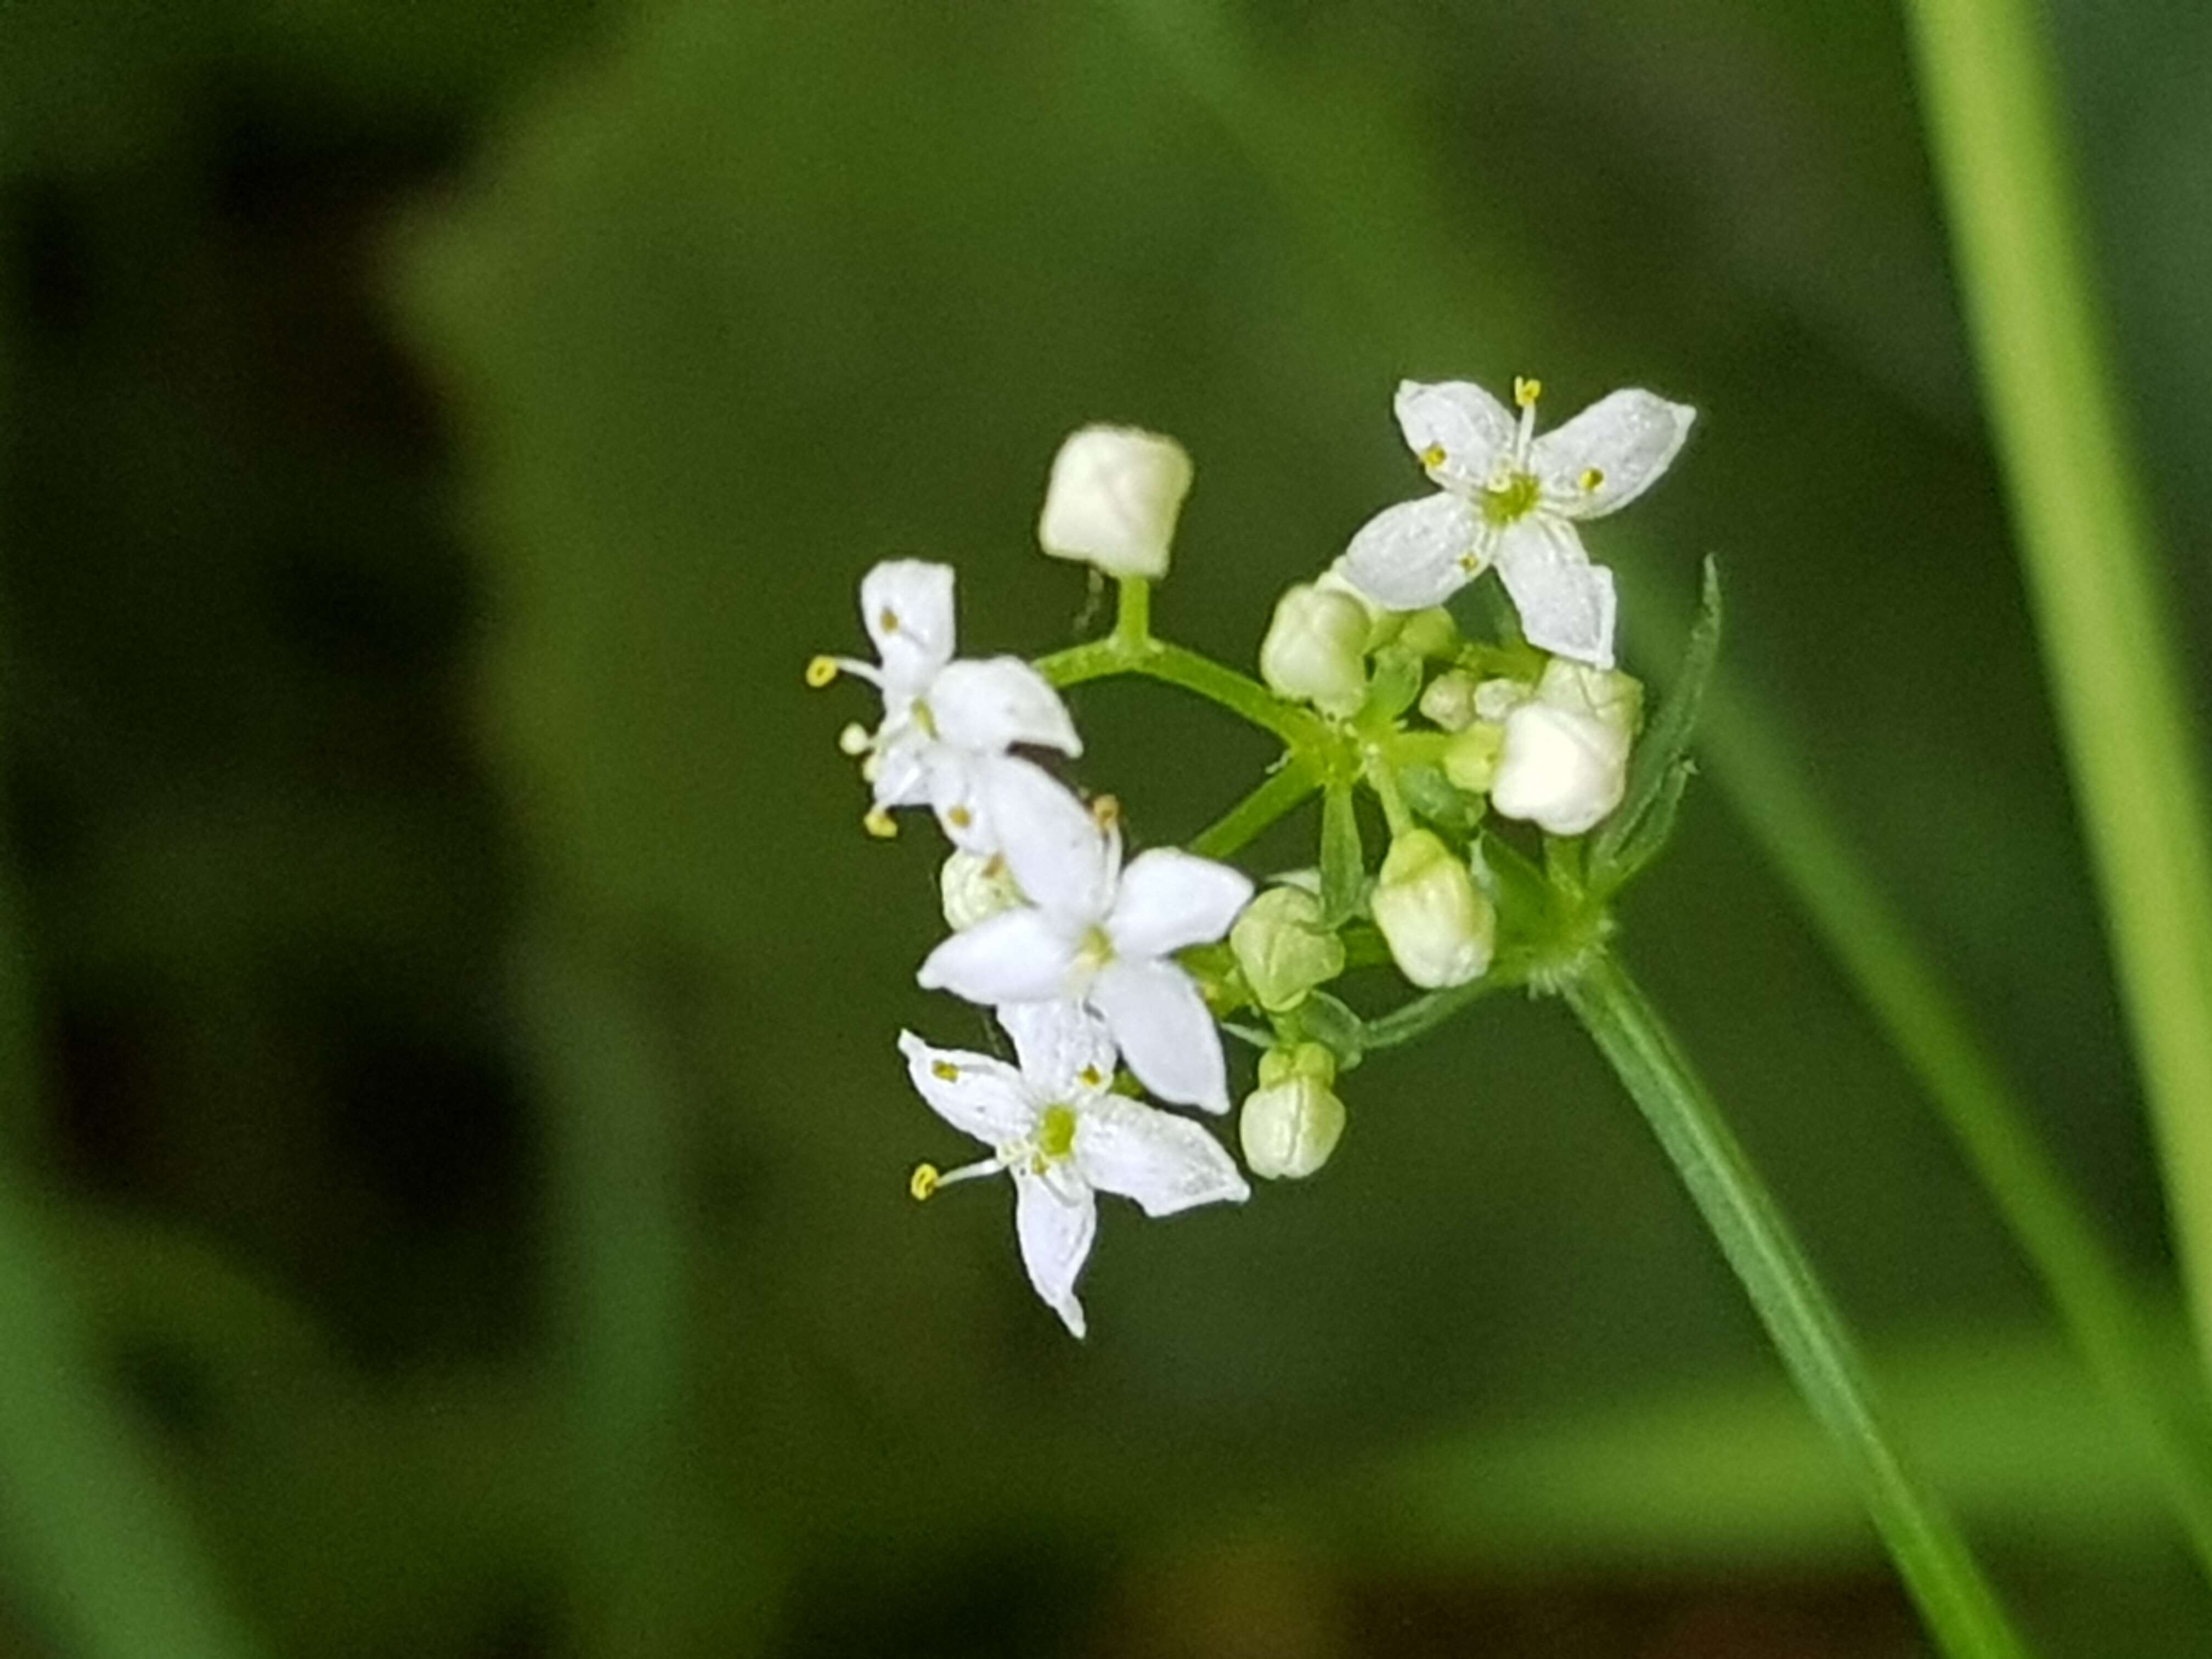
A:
[1166,1037]
[1017,956]
[1471,427]
[1164,1162]
[899,768]
[1060,856]
[1066,1049]
[1561,770]
[1168,899]
[1610,454]
[906,605]
[956,784]
[1055,1228]
[987,706]
[1416,553]
[1566,603]
[976,1094]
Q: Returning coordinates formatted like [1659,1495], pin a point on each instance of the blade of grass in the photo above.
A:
[1988,96]
[1960,1608]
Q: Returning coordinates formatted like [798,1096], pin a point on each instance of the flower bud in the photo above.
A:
[1282,948]
[1471,758]
[1113,498]
[1293,1121]
[1564,765]
[1315,649]
[1430,633]
[1448,701]
[1438,925]
[1383,622]
[974,888]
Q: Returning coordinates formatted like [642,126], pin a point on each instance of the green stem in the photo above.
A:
[1996,128]
[1156,659]
[1384,782]
[1288,785]
[1959,1607]
[1425,1013]
[1133,621]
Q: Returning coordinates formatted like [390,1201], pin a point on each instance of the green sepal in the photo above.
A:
[1394,687]
[1324,1019]
[1436,798]
[1343,862]
[1639,828]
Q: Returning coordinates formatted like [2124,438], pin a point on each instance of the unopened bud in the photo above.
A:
[1471,758]
[1430,633]
[1282,948]
[974,888]
[1291,1122]
[1564,763]
[1113,499]
[1439,926]
[1448,701]
[1315,649]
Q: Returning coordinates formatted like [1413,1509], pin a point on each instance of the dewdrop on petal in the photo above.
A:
[1282,949]
[1316,650]
[1291,1124]
[1439,926]
[1113,499]
[1563,764]
[974,887]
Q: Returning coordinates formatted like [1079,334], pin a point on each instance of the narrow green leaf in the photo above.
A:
[1665,741]
[1343,862]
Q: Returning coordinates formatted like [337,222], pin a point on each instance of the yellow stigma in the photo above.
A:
[879,823]
[945,1069]
[923,1182]
[1526,390]
[820,671]
[888,620]
[1433,455]
[1592,477]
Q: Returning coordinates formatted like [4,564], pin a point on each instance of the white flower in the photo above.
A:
[1506,496]
[1315,649]
[1564,763]
[1093,932]
[1056,1125]
[1439,926]
[946,723]
[1113,498]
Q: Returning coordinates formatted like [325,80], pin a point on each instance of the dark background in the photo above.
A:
[458,1073]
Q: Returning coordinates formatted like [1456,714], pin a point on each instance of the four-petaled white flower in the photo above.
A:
[947,724]
[1095,933]
[1509,496]
[1056,1125]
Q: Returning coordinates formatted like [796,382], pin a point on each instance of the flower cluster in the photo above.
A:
[1108,972]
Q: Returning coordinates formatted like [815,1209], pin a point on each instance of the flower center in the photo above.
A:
[1096,950]
[1502,504]
[1055,1132]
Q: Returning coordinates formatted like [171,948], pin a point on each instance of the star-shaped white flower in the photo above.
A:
[1095,933]
[947,722]
[1506,496]
[1056,1125]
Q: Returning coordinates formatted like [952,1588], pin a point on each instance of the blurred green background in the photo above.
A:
[449,1034]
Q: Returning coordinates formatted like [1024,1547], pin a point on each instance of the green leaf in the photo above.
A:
[1343,863]
[1434,796]
[1654,786]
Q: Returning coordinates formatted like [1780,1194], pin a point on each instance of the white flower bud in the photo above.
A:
[1282,948]
[1293,1121]
[1113,498]
[1316,650]
[1449,700]
[1564,765]
[1383,622]
[974,888]
[1439,926]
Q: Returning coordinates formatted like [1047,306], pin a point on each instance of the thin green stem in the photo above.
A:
[1286,786]
[1424,1014]
[1822,1359]
[1299,728]
[1383,781]
[1132,619]
[1994,122]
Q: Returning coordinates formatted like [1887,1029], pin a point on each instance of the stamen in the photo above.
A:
[945,1069]
[1106,812]
[1592,477]
[888,621]
[820,671]
[879,823]
[1433,455]
[855,739]
[1526,390]
[928,1178]
[960,818]
[923,1183]
[1090,1077]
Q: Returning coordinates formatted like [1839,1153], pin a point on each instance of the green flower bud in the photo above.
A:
[1315,649]
[1449,700]
[1430,633]
[1291,1122]
[1440,928]
[973,888]
[1283,949]
[1471,758]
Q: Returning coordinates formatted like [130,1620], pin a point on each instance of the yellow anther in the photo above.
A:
[887,620]
[1433,455]
[923,1182]
[879,823]
[959,817]
[820,671]
[1526,390]
[1106,811]
[1592,477]
[854,739]
[1090,1077]
[945,1069]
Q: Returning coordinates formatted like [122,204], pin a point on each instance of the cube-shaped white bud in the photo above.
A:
[1564,763]
[1316,650]
[1449,700]
[1439,925]
[1291,1122]
[1113,499]
[1282,948]
[974,887]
